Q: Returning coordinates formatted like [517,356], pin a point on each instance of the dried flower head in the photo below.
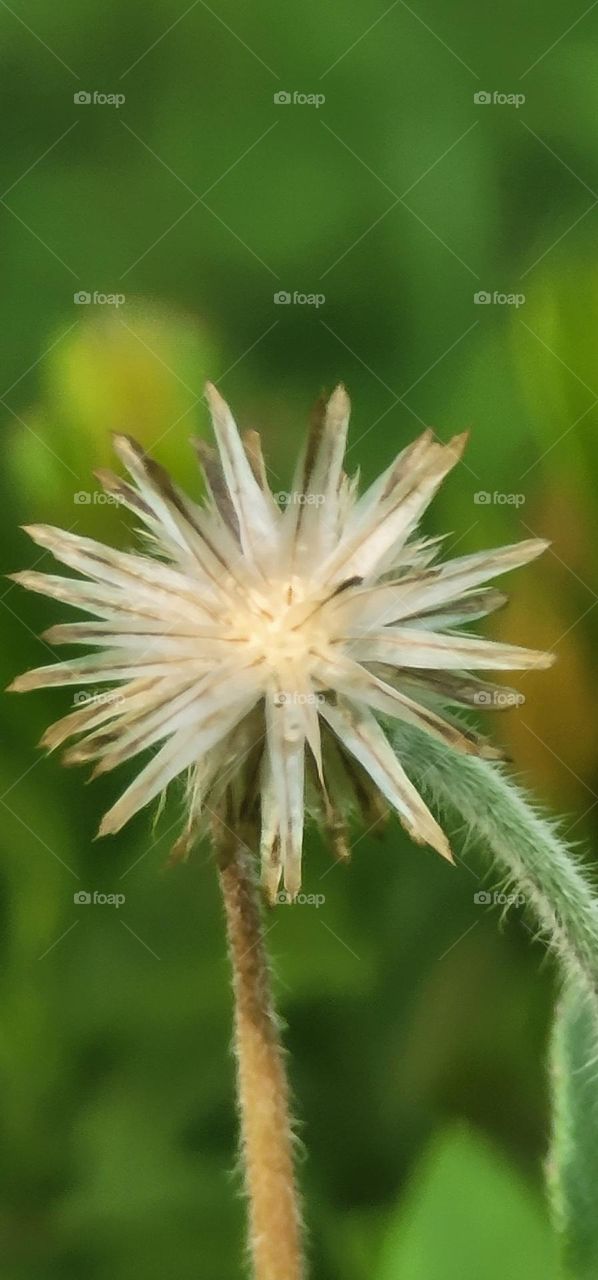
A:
[257,647]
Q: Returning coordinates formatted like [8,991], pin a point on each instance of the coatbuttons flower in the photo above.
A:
[256,648]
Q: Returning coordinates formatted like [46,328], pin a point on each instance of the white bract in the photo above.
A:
[256,648]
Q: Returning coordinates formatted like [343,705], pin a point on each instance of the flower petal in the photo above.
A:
[376,525]
[360,685]
[286,754]
[315,513]
[360,732]
[180,751]
[258,524]
[410,648]
[131,572]
[365,610]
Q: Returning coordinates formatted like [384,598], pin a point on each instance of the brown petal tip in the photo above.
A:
[216,402]
[544,660]
[20,684]
[42,534]
[339,402]
[459,443]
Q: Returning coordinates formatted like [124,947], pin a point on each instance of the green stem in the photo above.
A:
[540,866]
[572,1166]
[526,846]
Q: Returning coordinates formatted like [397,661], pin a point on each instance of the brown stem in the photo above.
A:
[266,1134]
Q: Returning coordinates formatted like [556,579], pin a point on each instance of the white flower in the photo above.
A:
[255,647]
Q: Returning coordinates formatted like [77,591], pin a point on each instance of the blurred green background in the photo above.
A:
[417,1021]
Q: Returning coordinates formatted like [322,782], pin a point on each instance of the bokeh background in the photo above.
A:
[382,201]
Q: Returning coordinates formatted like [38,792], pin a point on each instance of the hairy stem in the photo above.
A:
[526,846]
[554,884]
[263,1094]
[572,1166]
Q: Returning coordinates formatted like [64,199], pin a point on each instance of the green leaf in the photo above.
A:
[468,1215]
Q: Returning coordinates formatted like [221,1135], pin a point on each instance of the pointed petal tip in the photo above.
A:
[292,881]
[21,576]
[435,839]
[489,752]
[444,849]
[103,766]
[252,438]
[42,534]
[458,443]
[107,478]
[125,445]
[537,546]
[52,634]
[339,402]
[213,397]
[20,684]
[219,409]
[546,660]
[535,660]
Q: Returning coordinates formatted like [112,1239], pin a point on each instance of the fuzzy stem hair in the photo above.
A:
[540,866]
[526,847]
[275,1227]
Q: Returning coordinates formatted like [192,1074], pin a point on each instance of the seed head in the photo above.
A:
[255,648]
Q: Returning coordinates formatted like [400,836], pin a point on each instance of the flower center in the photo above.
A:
[286,628]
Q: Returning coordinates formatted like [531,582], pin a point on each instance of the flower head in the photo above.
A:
[255,647]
